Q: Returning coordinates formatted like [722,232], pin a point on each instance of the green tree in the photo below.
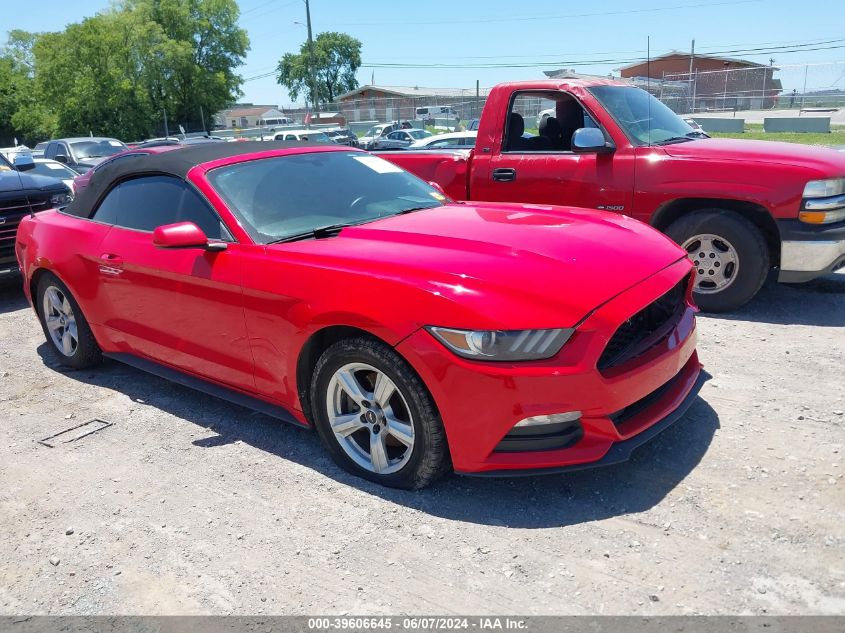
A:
[114,73]
[22,116]
[337,57]
[192,69]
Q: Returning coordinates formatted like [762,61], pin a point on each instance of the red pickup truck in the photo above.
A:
[740,208]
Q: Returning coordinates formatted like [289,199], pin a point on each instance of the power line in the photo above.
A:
[773,47]
[546,18]
[815,45]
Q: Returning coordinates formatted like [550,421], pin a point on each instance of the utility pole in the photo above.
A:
[691,66]
[315,101]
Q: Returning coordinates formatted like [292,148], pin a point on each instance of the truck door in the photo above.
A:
[534,163]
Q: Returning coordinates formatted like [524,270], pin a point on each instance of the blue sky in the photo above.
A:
[504,32]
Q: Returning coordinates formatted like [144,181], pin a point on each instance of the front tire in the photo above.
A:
[729,254]
[68,335]
[376,417]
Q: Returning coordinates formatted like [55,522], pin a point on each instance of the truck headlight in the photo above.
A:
[60,199]
[824,188]
[503,345]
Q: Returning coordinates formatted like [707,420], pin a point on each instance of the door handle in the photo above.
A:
[111,264]
[505,174]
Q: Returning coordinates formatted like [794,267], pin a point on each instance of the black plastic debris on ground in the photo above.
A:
[75,433]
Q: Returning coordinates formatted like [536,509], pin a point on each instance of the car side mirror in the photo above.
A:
[61,158]
[184,235]
[590,140]
[24,162]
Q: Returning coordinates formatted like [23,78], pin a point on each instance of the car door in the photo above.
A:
[527,167]
[180,307]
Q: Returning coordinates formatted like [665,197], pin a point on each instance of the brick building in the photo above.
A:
[716,83]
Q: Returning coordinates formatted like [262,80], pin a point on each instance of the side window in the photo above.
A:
[145,203]
[525,131]
[107,211]
[291,137]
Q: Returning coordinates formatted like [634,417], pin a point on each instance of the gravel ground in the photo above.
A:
[189,505]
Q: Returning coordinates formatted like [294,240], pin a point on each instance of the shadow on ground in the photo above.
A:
[524,502]
[11,295]
[819,302]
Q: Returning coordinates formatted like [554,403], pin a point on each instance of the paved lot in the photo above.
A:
[191,505]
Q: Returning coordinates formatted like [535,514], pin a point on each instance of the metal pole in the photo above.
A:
[691,58]
[477,93]
[166,131]
[202,116]
[804,92]
[315,101]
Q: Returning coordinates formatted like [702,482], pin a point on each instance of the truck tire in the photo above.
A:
[730,256]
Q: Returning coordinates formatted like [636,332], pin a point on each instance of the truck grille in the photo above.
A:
[11,213]
[646,328]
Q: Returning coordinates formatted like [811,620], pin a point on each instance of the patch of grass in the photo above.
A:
[754,131]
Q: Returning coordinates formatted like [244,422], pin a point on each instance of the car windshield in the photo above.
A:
[644,119]
[288,196]
[375,130]
[418,134]
[97,149]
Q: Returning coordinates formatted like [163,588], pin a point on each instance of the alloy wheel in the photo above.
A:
[60,320]
[370,418]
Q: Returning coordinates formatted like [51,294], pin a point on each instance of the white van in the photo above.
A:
[427,113]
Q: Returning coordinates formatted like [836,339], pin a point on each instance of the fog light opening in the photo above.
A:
[551,418]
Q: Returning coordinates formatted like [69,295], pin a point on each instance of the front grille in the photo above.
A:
[646,328]
[635,408]
[11,213]
[547,437]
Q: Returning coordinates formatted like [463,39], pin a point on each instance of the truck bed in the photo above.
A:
[449,168]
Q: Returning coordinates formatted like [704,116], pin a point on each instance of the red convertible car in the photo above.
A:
[332,289]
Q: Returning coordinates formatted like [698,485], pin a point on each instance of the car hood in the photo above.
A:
[90,163]
[541,265]
[824,160]
[20,180]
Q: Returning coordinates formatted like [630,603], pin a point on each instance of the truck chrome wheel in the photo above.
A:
[716,262]
[60,321]
[370,418]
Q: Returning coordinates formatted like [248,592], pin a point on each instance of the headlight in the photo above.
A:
[503,345]
[60,199]
[824,188]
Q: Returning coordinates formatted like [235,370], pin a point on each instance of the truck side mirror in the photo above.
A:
[61,158]
[24,162]
[590,140]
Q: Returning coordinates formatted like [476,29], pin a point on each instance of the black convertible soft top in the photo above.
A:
[177,162]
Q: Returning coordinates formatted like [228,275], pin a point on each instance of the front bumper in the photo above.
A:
[809,251]
[481,402]
[9,267]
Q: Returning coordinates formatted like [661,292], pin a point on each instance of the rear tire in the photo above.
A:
[376,417]
[68,335]
[730,256]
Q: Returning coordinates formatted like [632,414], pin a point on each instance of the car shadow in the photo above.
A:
[521,502]
[11,296]
[819,302]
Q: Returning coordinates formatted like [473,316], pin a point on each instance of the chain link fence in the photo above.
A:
[757,88]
